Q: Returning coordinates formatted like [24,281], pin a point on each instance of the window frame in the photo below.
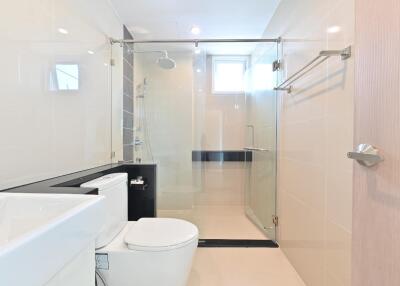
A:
[244,60]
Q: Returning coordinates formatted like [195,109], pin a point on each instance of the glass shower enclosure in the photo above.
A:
[209,124]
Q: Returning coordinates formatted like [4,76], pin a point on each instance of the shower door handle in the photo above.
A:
[255,149]
[366,155]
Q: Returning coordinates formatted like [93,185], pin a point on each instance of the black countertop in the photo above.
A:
[69,184]
[141,201]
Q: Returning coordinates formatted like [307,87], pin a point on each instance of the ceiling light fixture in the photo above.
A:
[195,30]
[90,52]
[197,51]
[63,31]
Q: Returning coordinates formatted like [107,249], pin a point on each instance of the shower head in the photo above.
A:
[166,62]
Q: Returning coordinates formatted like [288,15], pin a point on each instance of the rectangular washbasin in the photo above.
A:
[41,233]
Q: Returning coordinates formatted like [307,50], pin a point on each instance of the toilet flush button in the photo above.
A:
[102,261]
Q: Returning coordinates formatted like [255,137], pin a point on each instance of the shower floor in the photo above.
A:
[218,222]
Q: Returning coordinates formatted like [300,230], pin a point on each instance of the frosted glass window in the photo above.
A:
[228,75]
[66,77]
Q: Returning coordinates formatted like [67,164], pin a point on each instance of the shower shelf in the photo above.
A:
[322,57]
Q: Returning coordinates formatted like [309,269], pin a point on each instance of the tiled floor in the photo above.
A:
[234,266]
[223,222]
[242,267]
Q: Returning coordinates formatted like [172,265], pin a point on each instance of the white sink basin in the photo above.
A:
[41,233]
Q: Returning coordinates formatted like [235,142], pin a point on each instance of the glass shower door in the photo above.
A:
[260,182]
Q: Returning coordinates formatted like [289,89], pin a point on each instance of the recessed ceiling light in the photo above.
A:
[198,70]
[195,30]
[90,52]
[63,31]
[333,29]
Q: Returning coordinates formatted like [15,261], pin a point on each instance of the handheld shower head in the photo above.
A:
[166,62]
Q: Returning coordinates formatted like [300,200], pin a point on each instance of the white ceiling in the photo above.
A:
[173,19]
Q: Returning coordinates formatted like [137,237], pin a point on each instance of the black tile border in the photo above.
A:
[222,156]
[244,243]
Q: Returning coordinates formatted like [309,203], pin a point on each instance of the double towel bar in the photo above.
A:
[322,57]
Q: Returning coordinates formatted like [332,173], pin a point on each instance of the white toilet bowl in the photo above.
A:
[137,257]
[147,252]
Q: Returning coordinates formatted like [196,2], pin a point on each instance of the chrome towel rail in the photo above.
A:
[323,56]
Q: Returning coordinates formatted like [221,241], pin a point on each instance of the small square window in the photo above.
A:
[228,75]
[65,77]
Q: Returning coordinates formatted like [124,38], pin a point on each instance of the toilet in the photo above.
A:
[147,252]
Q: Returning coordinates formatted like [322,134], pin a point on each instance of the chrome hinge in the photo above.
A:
[102,261]
[275,220]
[112,62]
[276,65]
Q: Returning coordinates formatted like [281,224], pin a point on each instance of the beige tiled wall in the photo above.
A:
[315,132]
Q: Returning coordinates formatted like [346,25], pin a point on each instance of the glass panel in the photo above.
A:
[260,189]
[197,137]
[55,94]
[118,116]
[163,124]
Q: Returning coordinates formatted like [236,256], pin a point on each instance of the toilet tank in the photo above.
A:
[114,187]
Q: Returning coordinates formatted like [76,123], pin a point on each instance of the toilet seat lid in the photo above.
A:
[157,234]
